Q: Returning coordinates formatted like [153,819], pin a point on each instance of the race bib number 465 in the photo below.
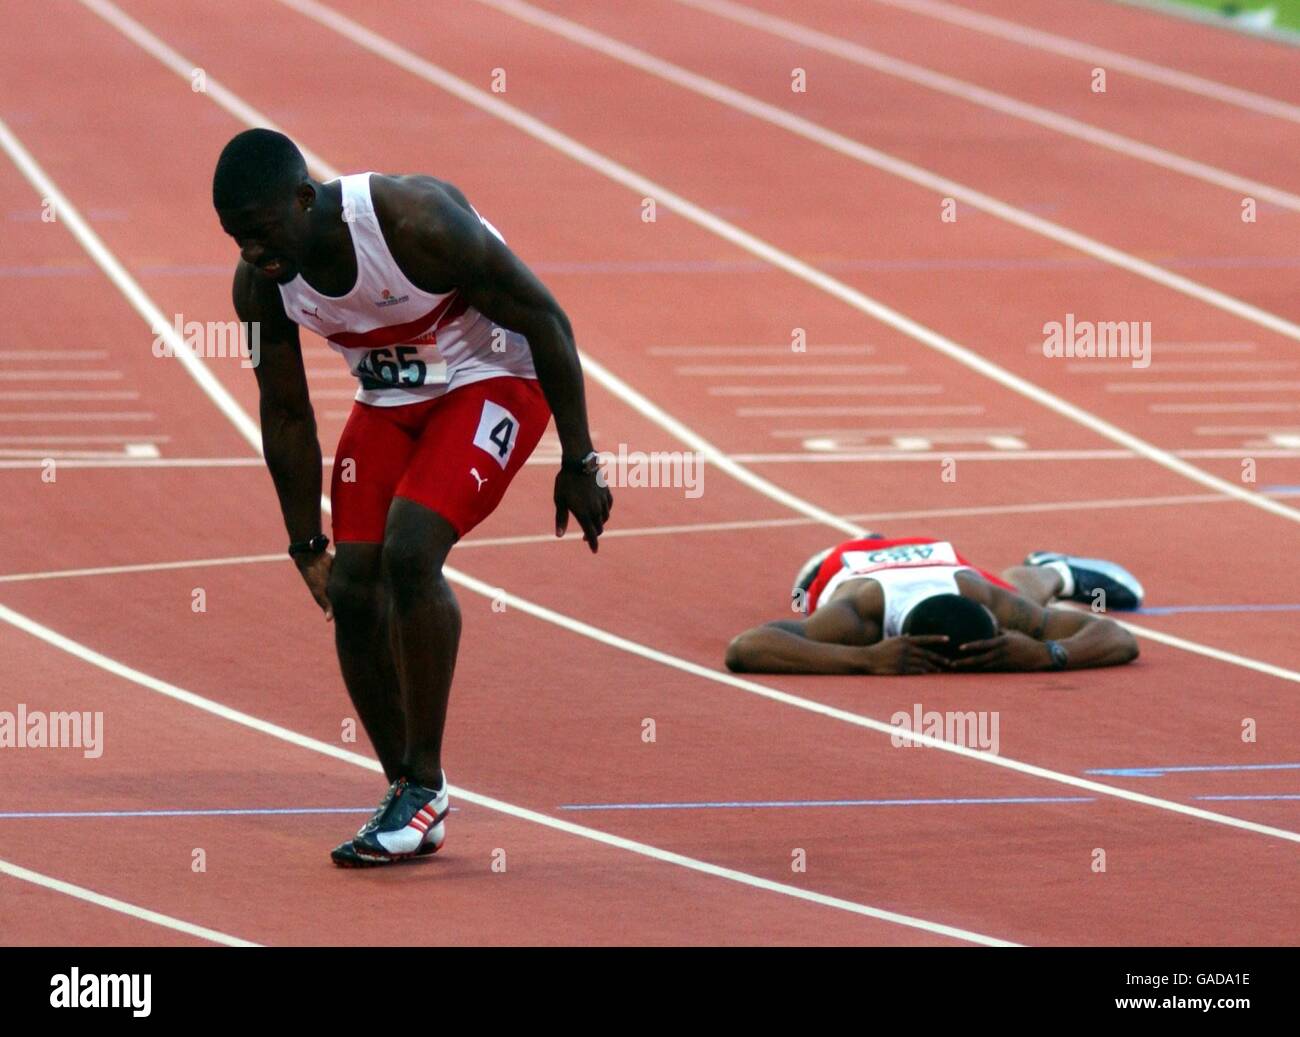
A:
[405,366]
[498,430]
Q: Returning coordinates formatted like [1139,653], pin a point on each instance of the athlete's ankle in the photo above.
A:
[430,777]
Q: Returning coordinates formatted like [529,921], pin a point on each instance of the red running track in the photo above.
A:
[547,717]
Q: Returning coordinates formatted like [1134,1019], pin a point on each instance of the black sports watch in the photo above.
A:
[588,465]
[314,546]
[1060,657]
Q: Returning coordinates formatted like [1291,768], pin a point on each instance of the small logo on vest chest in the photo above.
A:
[387,298]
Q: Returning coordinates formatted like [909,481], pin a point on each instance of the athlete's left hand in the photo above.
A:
[1009,651]
[587,500]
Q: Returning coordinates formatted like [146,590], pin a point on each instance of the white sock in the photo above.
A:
[1067,577]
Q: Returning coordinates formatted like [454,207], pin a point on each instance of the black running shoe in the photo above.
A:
[409,823]
[1120,589]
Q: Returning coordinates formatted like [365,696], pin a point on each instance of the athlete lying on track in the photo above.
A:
[461,356]
[914,605]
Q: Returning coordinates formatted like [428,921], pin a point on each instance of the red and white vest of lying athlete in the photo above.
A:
[909,570]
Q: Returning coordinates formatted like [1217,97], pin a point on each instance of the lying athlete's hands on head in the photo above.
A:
[1011,650]
[908,655]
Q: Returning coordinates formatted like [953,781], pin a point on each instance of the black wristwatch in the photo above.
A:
[1060,657]
[314,546]
[588,465]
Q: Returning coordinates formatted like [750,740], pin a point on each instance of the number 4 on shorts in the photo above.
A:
[497,431]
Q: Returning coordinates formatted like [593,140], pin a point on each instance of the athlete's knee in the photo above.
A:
[355,597]
[412,568]
[416,543]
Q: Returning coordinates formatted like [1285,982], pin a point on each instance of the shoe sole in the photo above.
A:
[361,860]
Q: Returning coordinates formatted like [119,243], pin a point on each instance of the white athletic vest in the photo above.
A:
[907,574]
[402,344]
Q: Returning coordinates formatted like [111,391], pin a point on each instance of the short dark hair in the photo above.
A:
[256,167]
[962,619]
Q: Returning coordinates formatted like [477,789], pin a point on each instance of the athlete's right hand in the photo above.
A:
[908,655]
[315,570]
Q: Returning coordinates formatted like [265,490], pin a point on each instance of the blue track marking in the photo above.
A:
[1156,772]
[1172,610]
[769,804]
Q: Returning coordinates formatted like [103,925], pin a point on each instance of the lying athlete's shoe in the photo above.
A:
[409,823]
[1086,576]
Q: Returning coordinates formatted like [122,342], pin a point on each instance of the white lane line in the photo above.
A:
[1232,430]
[52,354]
[539,130]
[825,390]
[249,428]
[146,456]
[57,417]
[737,525]
[773,351]
[146,567]
[1169,366]
[136,438]
[55,376]
[866,411]
[939,434]
[144,914]
[70,218]
[1202,387]
[44,396]
[796,368]
[839,143]
[854,454]
[1159,348]
[1109,59]
[189,698]
[1221,408]
[1006,105]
